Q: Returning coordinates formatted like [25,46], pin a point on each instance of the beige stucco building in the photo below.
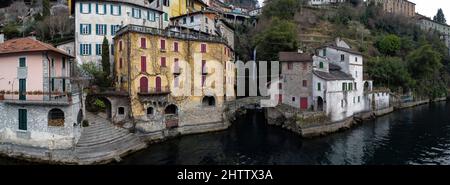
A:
[401,7]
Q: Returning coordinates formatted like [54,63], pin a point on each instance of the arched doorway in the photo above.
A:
[171,116]
[143,82]
[98,104]
[158,84]
[319,103]
[208,101]
[171,110]
[150,111]
[56,118]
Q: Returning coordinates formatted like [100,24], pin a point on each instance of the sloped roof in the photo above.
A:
[294,57]
[333,75]
[28,44]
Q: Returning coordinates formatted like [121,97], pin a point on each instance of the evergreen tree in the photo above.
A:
[440,17]
[105,58]
[46,8]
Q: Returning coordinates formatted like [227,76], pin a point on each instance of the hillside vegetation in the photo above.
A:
[397,53]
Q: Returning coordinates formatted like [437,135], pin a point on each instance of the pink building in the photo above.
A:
[34,71]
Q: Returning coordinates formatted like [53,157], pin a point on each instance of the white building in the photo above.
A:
[98,19]
[427,24]
[338,86]
[324,2]
[203,21]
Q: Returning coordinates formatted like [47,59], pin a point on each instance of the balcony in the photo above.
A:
[154,91]
[38,98]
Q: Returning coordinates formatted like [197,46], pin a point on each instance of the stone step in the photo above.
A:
[103,135]
[102,140]
[92,150]
[99,130]
[103,132]
[108,156]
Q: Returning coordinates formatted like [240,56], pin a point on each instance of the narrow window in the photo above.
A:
[121,111]
[163,61]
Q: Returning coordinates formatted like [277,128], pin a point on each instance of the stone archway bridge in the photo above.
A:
[232,107]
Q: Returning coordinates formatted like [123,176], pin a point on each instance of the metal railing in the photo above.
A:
[154,90]
[172,34]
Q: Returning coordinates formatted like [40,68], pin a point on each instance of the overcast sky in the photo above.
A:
[427,7]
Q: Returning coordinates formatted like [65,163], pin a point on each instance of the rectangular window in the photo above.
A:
[98,49]
[319,87]
[355,86]
[136,13]
[112,49]
[114,29]
[293,99]
[85,49]
[359,99]
[342,57]
[305,83]
[120,45]
[166,17]
[203,48]
[143,64]
[85,29]
[350,86]
[175,46]
[324,51]
[100,29]
[100,9]
[143,43]
[344,86]
[151,16]
[356,59]
[290,66]
[163,61]
[163,44]
[166,2]
[22,119]
[192,19]
[120,63]
[184,20]
[206,20]
[22,62]
[85,8]
[63,63]
[116,10]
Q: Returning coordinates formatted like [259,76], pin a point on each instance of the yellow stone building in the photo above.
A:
[176,79]
[182,7]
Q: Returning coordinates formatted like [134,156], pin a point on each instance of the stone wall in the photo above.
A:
[39,133]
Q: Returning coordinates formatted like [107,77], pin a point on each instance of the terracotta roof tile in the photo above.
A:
[27,44]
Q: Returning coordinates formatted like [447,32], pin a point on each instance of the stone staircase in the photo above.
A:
[102,142]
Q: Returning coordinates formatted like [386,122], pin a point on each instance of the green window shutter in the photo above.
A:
[112,9]
[23,119]
[81,29]
[81,7]
[120,10]
[22,62]
[321,65]
[90,9]
[104,9]
[96,8]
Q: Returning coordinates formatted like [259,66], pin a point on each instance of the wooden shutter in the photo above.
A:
[143,64]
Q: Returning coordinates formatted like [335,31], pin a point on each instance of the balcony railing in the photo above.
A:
[168,33]
[154,91]
[38,98]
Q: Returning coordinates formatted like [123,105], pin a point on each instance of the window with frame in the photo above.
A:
[321,65]
[121,111]
[319,86]
[151,15]
[290,65]
[101,29]
[98,49]
[305,83]
[120,45]
[166,17]
[342,57]
[143,64]
[163,44]
[136,13]
[116,10]
[22,62]
[85,8]
[85,49]
[184,20]
[85,29]
[100,9]
[192,19]
[175,46]
[163,61]
[203,48]
[143,43]
[166,2]
[114,29]
[120,63]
